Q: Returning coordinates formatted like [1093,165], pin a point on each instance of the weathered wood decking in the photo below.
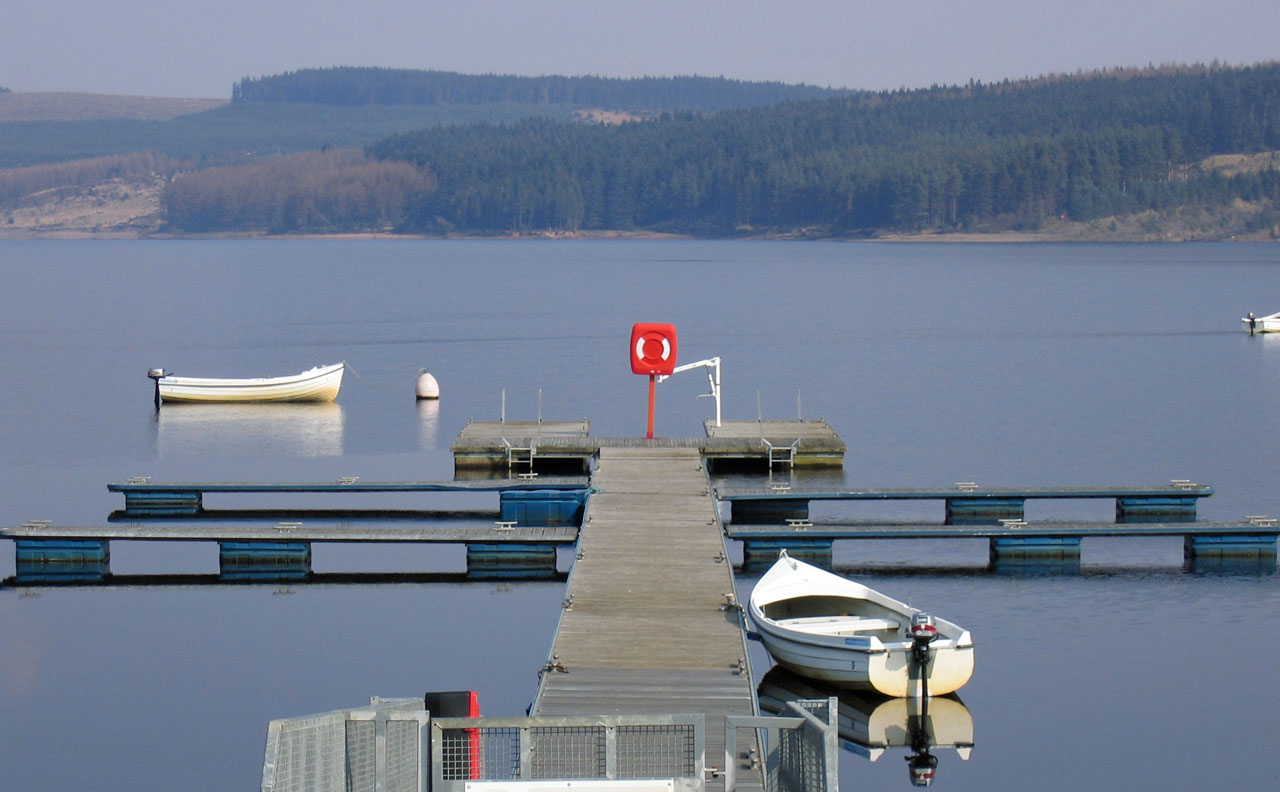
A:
[487,533]
[967,503]
[1008,528]
[144,497]
[512,445]
[649,625]
[797,443]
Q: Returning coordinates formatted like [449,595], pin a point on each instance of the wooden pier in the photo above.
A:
[497,531]
[48,553]
[969,504]
[651,623]
[803,444]
[766,520]
[145,497]
[510,447]
[1206,545]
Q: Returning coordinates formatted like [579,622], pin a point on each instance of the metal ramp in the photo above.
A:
[801,749]
[394,745]
[380,748]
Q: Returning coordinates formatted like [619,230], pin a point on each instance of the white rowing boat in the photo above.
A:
[827,627]
[319,384]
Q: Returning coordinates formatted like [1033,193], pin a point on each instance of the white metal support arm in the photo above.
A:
[713,376]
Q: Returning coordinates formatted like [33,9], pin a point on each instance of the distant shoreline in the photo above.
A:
[1006,237]
[132,209]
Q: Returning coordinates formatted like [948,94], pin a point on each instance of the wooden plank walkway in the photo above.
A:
[485,431]
[490,533]
[645,627]
[145,497]
[967,493]
[495,445]
[797,530]
[354,484]
[796,443]
[969,503]
[777,432]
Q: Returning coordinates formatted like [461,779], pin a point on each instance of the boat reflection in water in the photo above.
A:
[301,429]
[870,724]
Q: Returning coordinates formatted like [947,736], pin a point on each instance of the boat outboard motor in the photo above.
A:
[923,633]
[155,374]
[922,767]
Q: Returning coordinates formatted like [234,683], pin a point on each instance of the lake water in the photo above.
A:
[1015,365]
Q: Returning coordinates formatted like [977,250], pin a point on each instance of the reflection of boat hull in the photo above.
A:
[296,430]
[320,384]
[870,723]
[826,627]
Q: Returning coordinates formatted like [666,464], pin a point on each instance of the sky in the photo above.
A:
[200,48]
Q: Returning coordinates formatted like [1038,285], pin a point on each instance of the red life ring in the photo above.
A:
[653,348]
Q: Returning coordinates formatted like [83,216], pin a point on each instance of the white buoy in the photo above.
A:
[427,387]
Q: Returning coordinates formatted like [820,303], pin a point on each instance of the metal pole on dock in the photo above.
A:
[652,392]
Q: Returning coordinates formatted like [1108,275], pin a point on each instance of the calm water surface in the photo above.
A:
[1005,365]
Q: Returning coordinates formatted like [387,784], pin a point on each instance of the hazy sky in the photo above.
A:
[199,48]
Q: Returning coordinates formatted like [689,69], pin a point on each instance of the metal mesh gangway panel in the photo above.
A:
[605,752]
[379,748]
[800,747]
[395,746]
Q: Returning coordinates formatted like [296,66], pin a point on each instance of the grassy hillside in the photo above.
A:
[69,106]
[232,133]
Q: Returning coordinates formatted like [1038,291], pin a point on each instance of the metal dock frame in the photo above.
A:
[465,751]
[801,752]
[395,745]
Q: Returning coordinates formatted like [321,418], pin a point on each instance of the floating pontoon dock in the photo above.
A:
[969,504]
[650,623]
[524,446]
[145,497]
[81,554]
[1206,545]
[769,519]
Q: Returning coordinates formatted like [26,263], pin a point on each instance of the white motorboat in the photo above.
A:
[1262,324]
[319,384]
[827,627]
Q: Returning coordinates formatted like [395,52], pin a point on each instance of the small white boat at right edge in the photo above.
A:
[1261,324]
[824,626]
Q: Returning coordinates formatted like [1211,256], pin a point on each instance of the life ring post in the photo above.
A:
[652,392]
[653,352]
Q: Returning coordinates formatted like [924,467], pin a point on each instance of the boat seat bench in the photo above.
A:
[839,624]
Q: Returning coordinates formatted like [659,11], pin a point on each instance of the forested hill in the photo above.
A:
[354,86]
[976,157]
